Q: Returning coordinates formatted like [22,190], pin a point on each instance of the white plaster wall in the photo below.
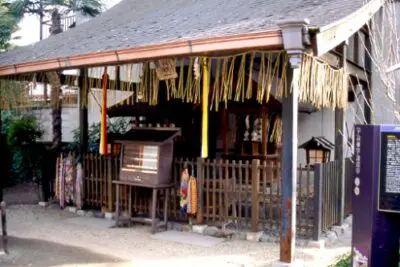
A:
[319,123]
[322,123]
[70,121]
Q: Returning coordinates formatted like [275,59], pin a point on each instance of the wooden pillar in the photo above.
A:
[367,89]
[3,169]
[83,112]
[264,134]
[294,41]
[225,126]
[339,146]
[289,163]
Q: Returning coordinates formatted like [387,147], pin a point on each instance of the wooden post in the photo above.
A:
[255,190]
[200,189]
[339,147]
[317,229]
[264,135]
[109,184]
[225,126]
[367,90]
[83,113]
[3,167]
[4,226]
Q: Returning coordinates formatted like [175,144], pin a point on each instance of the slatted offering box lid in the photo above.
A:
[147,155]
[153,135]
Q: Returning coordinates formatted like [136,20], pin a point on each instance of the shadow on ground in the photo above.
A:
[41,253]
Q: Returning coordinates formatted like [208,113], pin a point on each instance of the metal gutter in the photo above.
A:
[260,40]
[332,35]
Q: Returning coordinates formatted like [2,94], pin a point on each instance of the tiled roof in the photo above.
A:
[318,141]
[133,23]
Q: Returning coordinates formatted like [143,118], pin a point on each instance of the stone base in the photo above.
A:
[109,215]
[199,229]
[81,213]
[72,209]
[254,236]
[43,204]
[296,263]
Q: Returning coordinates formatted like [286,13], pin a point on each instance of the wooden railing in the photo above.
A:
[245,194]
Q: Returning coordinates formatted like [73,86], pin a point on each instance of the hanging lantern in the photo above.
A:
[318,150]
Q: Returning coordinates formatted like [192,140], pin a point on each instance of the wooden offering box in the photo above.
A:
[147,155]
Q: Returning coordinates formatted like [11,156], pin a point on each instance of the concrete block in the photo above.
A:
[296,263]
[89,213]
[81,212]
[320,244]
[211,231]
[98,214]
[186,228]
[109,215]
[254,236]
[199,229]
[72,209]
[239,236]
[43,204]
[177,227]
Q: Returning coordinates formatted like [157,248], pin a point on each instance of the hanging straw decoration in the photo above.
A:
[321,85]
[277,131]
[232,80]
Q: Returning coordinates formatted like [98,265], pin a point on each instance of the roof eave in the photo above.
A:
[260,40]
[332,35]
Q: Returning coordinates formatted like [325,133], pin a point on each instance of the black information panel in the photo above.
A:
[389,183]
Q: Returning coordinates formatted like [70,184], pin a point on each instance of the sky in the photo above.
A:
[29,27]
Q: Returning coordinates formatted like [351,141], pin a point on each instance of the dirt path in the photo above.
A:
[50,237]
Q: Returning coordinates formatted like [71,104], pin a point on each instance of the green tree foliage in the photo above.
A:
[115,126]
[8,24]
[22,132]
[46,7]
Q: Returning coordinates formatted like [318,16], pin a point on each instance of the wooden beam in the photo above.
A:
[83,112]
[235,43]
[334,59]
[336,33]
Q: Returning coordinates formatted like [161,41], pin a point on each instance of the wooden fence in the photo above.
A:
[328,195]
[242,194]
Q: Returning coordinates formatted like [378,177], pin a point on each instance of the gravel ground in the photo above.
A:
[45,237]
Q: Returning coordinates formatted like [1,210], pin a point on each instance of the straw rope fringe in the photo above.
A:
[321,85]
[232,79]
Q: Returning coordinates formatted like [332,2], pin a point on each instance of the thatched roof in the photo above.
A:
[138,23]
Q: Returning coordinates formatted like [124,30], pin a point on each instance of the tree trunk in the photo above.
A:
[56,93]
[56,102]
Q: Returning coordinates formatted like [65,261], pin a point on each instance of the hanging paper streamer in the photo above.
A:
[204,128]
[103,130]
